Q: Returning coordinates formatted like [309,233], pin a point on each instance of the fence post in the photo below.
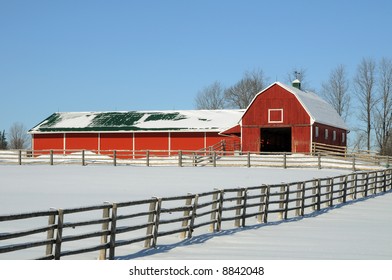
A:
[248,160]
[214,158]
[319,160]
[194,159]
[156,224]
[192,222]
[331,191]
[59,235]
[303,199]
[237,221]
[266,204]
[150,227]
[286,201]
[51,157]
[366,185]
[50,233]
[353,162]
[83,158]
[114,158]
[147,158]
[244,203]
[220,211]
[113,226]
[345,189]
[281,203]
[20,157]
[105,226]
[314,194]
[298,201]
[318,194]
[180,158]
[213,212]
[188,202]
[284,160]
[263,192]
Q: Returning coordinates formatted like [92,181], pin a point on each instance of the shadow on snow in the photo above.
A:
[200,239]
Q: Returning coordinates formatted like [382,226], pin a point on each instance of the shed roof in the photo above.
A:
[148,121]
[318,109]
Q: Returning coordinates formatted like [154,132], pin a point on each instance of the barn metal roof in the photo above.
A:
[148,121]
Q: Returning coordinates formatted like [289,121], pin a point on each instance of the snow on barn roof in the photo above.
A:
[318,109]
[184,120]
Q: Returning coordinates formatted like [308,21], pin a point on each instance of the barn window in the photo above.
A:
[343,137]
[334,135]
[317,132]
[275,115]
[326,133]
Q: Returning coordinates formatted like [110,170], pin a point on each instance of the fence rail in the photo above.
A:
[112,225]
[216,156]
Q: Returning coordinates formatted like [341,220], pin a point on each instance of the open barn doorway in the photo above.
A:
[275,139]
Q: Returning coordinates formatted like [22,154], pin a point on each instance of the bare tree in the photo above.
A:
[298,73]
[242,93]
[383,112]
[364,84]
[211,97]
[18,136]
[335,91]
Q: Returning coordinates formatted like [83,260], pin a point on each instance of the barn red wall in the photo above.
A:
[152,141]
[300,139]
[48,141]
[294,116]
[321,137]
[116,141]
[187,141]
[81,141]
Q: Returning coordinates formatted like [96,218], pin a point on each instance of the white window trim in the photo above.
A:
[275,110]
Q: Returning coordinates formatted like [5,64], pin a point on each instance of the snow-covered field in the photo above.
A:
[357,230]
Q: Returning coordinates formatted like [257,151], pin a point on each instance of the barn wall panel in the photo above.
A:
[321,138]
[116,141]
[48,142]
[251,139]
[187,141]
[81,141]
[300,139]
[152,141]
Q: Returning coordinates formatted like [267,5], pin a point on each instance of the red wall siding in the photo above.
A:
[293,115]
[152,141]
[300,142]
[330,141]
[81,141]
[48,141]
[187,140]
[116,141]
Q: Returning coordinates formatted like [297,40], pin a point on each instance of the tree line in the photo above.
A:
[17,137]
[366,97]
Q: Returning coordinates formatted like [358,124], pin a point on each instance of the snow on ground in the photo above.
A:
[357,230]
[39,187]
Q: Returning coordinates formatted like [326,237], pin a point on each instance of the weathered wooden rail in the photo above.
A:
[214,157]
[104,228]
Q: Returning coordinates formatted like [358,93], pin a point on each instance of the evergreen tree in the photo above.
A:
[3,141]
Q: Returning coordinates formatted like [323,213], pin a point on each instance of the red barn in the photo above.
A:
[280,118]
[284,118]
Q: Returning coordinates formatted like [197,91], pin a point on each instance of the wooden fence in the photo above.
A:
[113,225]
[196,158]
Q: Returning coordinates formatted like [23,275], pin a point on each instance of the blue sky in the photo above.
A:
[82,55]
